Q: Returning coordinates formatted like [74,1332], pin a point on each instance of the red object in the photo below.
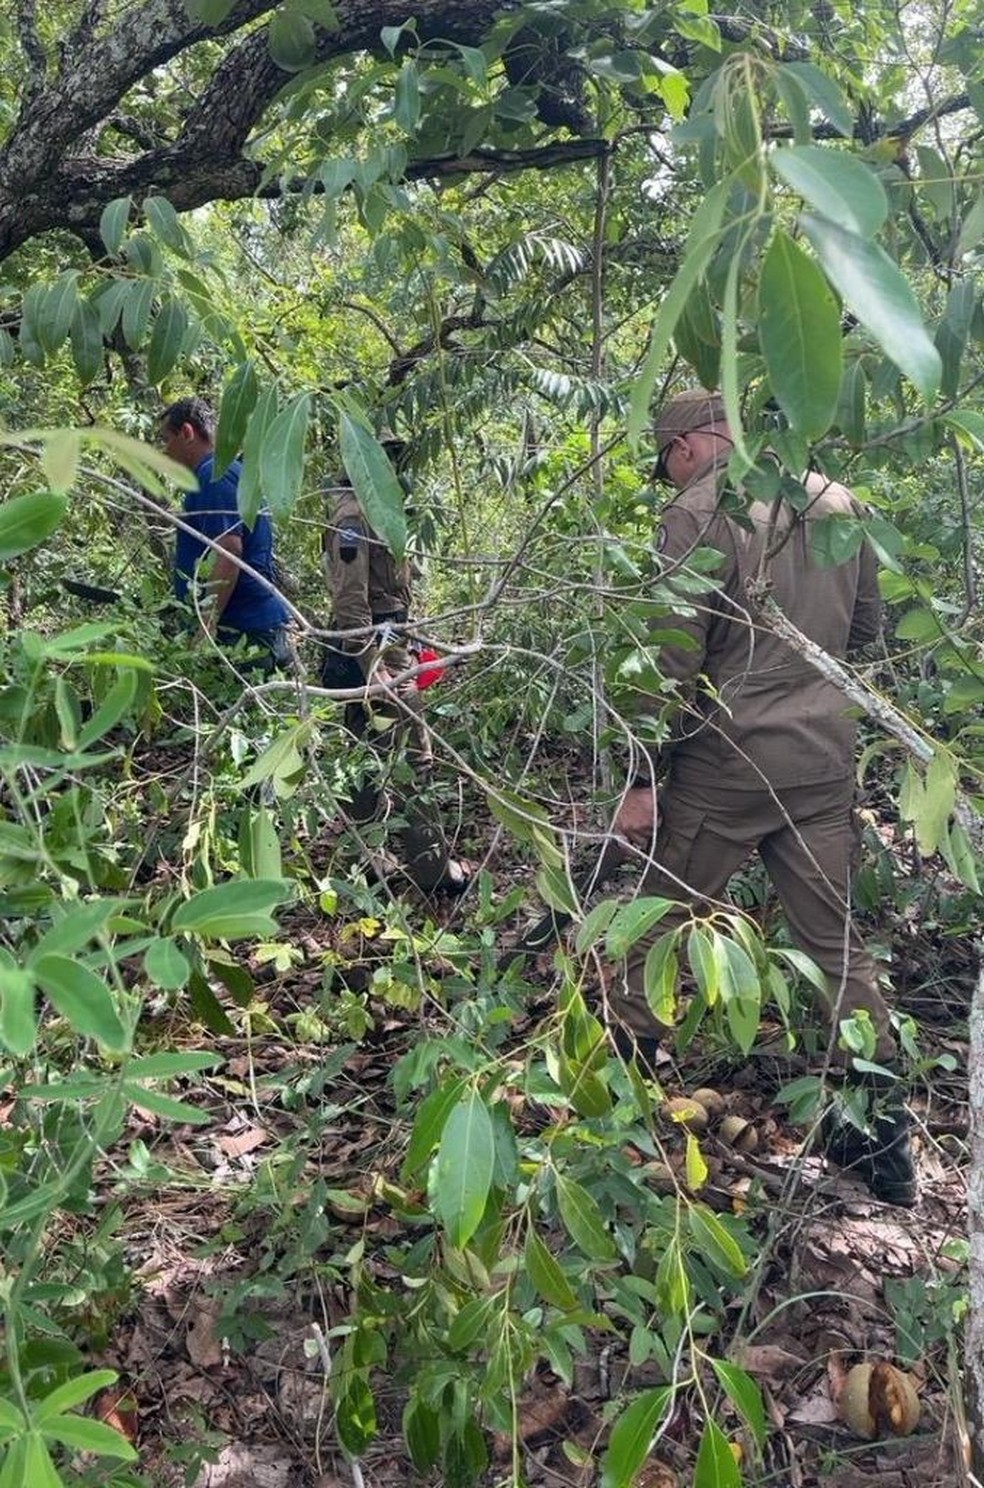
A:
[430,674]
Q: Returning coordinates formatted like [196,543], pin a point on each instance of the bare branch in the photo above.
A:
[34,52]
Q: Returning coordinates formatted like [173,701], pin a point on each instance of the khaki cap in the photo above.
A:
[694,409]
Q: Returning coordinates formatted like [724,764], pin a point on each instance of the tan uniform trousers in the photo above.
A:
[807,841]
[401,749]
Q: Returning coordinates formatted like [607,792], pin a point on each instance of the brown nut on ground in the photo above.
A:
[739,1134]
[712,1101]
[878,1400]
[686,1112]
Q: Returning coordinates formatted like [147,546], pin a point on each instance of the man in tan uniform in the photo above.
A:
[763,757]
[371,593]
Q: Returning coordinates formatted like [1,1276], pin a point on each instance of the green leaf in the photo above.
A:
[67,1396]
[936,806]
[25,521]
[60,459]
[825,94]
[83,998]
[841,187]
[85,1435]
[465,1163]
[238,402]
[136,311]
[583,1220]
[714,1242]
[957,849]
[429,1123]
[166,1066]
[972,228]
[632,1437]
[87,341]
[716,1466]
[12,1419]
[164,223]
[406,104]
[355,1415]
[704,962]
[164,1105]
[265,860]
[283,758]
[292,40]
[166,965]
[799,332]
[166,339]
[116,703]
[546,1275]
[422,1434]
[969,424]
[660,976]
[18,1015]
[250,493]
[39,1470]
[55,311]
[112,223]
[702,240]
[632,922]
[282,456]
[595,924]
[745,1394]
[375,484]
[695,1167]
[881,298]
[231,911]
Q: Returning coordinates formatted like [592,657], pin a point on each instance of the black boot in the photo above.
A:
[881,1156]
[641,1047]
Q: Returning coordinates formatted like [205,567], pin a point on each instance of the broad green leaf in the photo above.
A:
[375,484]
[83,1434]
[957,849]
[250,496]
[164,223]
[231,911]
[60,459]
[25,522]
[632,1437]
[936,806]
[714,1243]
[238,402]
[83,998]
[841,187]
[321,12]
[632,922]
[799,332]
[583,1220]
[355,1415]
[470,1323]
[694,1165]
[55,311]
[881,298]
[428,1126]
[112,223]
[463,1173]
[422,1434]
[704,963]
[18,1015]
[136,311]
[67,1396]
[851,404]
[595,924]
[39,1470]
[164,1105]
[972,228]
[793,98]
[968,425]
[291,39]
[660,976]
[166,339]
[825,94]
[265,860]
[87,341]
[114,706]
[745,1394]
[586,1091]
[702,240]
[953,331]
[109,301]
[545,1273]
[554,886]
[716,1466]
[283,759]
[406,98]
[12,1419]
[282,456]
[165,1066]
[166,966]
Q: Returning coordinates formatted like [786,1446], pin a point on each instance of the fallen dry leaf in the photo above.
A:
[118,1408]
[204,1348]
[769,1361]
[237,1144]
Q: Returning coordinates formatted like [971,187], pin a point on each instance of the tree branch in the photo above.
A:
[34,52]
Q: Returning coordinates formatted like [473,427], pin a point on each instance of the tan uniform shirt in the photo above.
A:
[364,579]
[773,715]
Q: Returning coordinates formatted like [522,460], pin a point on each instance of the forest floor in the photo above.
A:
[236,1271]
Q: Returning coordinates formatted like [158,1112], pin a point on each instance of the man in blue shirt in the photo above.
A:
[239,604]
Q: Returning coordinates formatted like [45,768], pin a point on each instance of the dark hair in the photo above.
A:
[194,411]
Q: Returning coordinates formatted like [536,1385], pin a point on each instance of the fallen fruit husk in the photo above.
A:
[878,1400]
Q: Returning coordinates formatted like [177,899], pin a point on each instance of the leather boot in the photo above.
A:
[881,1155]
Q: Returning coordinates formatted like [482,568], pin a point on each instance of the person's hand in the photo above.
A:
[637,817]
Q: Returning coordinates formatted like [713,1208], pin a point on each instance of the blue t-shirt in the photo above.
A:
[212,510]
